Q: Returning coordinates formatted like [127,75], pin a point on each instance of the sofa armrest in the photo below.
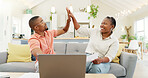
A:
[3,57]
[128,60]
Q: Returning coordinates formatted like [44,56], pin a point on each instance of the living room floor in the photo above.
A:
[142,67]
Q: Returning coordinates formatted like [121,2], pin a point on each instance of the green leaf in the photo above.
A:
[132,38]
[94,10]
[147,45]
[123,36]
[51,18]
[97,6]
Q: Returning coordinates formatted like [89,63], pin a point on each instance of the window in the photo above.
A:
[146,29]
[141,30]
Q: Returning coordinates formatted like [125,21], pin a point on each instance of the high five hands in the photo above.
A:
[70,15]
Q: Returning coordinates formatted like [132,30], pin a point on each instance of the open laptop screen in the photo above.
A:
[62,66]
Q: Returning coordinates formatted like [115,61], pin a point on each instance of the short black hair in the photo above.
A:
[113,21]
[32,20]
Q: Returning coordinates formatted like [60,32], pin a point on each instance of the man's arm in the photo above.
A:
[76,25]
[36,51]
[65,29]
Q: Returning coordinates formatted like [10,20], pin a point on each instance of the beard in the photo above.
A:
[46,29]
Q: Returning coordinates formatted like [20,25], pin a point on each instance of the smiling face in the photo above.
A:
[106,26]
[40,25]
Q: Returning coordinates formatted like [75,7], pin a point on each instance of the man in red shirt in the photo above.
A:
[41,42]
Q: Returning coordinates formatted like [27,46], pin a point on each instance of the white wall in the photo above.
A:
[9,9]
[105,10]
[44,8]
[5,25]
[2,34]
[25,28]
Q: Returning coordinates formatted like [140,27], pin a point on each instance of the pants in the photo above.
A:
[36,67]
[97,68]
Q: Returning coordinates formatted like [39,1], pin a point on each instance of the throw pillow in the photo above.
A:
[116,59]
[18,53]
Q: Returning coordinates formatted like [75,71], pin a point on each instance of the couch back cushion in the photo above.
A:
[18,53]
[81,47]
[116,59]
[3,57]
[76,48]
[59,48]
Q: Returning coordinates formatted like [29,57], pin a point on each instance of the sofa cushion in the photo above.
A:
[3,57]
[116,59]
[18,53]
[59,48]
[76,48]
[18,67]
[117,70]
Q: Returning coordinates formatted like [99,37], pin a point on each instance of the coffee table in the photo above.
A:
[17,75]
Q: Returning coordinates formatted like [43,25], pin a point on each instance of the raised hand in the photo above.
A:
[68,13]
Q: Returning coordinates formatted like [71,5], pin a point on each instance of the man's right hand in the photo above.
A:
[76,25]
[69,13]
[36,52]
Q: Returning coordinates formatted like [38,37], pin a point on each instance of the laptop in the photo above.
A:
[62,66]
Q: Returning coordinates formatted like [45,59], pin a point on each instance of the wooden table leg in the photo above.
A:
[141,52]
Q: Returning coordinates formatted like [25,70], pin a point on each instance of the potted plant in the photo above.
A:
[123,37]
[93,11]
[132,38]
[146,47]
[51,15]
